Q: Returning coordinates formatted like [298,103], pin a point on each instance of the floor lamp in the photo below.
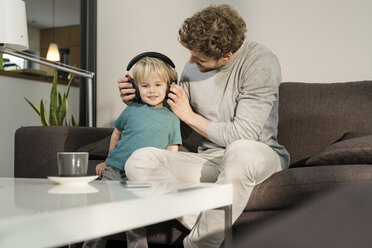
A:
[14,39]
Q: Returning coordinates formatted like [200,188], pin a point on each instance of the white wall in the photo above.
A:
[34,43]
[315,41]
[147,26]
[15,112]
[33,38]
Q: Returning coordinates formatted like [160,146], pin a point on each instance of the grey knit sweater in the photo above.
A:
[240,99]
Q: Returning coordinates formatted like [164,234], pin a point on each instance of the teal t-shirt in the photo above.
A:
[141,126]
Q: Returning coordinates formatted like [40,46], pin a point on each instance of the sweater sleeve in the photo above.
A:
[257,93]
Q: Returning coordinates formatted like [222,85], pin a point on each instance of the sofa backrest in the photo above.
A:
[314,115]
[35,148]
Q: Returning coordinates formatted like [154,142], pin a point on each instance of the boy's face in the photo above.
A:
[153,90]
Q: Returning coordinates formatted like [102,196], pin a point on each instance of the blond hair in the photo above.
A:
[148,66]
[213,31]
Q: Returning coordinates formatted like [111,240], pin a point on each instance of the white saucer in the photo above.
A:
[72,180]
[73,189]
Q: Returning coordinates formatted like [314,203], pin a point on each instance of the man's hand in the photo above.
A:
[180,105]
[100,168]
[179,102]
[126,90]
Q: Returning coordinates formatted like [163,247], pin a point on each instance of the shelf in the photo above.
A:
[27,74]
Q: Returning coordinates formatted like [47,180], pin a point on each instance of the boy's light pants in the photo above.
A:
[243,163]
[135,238]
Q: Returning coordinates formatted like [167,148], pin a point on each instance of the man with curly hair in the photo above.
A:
[228,94]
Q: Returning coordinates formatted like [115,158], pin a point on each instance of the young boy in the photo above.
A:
[144,124]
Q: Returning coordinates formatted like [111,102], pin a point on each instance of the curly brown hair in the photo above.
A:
[213,31]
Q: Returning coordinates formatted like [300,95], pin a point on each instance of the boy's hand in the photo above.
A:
[126,90]
[100,168]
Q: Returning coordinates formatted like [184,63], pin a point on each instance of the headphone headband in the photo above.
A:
[160,56]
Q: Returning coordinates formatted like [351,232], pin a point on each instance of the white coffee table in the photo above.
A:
[40,213]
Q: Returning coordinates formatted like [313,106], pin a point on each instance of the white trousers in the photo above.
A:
[243,163]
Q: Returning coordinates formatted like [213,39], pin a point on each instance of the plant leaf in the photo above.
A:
[43,117]
[53,101]
[62,110]
[59,115]
[59,109]
[33,106]
[73,123]
[71,76]
[59,99]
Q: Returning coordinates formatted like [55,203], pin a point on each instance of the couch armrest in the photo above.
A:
[36,147]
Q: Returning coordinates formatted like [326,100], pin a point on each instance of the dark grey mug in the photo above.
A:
[72,164]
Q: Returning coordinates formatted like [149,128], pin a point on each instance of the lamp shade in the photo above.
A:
[53,52]
[13,29]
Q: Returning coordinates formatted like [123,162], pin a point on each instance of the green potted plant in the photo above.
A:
[58,106]
[1,61]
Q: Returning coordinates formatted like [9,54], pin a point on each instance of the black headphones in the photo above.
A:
[157,55]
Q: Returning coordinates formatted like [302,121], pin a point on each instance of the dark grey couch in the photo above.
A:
[312,117]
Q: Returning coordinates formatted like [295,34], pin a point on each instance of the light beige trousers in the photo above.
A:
[243,163]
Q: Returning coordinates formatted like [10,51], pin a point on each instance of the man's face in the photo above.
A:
[205,63]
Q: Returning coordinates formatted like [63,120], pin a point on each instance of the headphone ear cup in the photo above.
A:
[167,92]
[168,89]
[137,93]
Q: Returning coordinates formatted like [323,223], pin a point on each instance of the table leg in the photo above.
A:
[228,226]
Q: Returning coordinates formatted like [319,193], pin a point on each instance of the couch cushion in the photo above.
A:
[289,187]
[348,150]
[314,115]
[339,219]
[98,149]
[352,135]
